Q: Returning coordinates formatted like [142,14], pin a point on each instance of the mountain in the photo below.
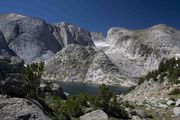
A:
[83,64]
[136,52]
[34,38]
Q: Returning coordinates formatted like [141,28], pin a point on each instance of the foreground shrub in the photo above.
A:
[32,74]
[107,101]
[74,106]
[77,105]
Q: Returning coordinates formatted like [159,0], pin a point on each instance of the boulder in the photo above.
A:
[137,118]
[171,102]
[163,106]
[178,103]
[14,85]
[95,115]
[138,113]
[176,111]
[21,109]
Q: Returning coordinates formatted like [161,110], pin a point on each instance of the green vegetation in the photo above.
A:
[167,68]
[74,106]
[78,105]
[32,74]
[107,101]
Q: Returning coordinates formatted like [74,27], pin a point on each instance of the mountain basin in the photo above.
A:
[74,88]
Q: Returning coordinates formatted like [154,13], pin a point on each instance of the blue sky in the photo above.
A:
[99,15]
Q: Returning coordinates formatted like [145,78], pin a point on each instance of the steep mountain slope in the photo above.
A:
[158,92]
[83,64]
[137,52]
[99,40]
[71,34]
[97,36]
[33,38]
[4,49]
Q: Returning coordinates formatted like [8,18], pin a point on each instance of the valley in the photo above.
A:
[65,72]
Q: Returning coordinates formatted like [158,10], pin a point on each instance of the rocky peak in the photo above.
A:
[161,26]
[72,34]
[82,64]
[11,16]
[33,39]
[140,51]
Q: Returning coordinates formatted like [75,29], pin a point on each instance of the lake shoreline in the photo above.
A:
[75,88]
[93,83]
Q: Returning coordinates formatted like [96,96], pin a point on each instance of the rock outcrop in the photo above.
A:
[71,34]
[33,38]
[95,115]
[99,40]
[82,64]
[97,36]
[48,89]
[4,49]
[139,51]
[21,109]
[149,92]
[12,82]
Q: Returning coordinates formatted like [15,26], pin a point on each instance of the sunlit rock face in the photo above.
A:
[99,40]
[97,37]
[33,38]
[21,109]
[4,49]
[136,52]
[77,63]
[72,34]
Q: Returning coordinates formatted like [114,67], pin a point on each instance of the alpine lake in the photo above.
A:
[74,88]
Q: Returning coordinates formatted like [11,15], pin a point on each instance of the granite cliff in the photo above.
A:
[83,64]
[33,38]
[136,52]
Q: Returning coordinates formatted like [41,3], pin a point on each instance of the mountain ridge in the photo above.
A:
[134,52]
[34,38]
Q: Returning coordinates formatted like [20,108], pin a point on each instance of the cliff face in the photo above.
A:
[4,49]
[71,34]
[83,64]
[97,36]
[33,38]
[137,52]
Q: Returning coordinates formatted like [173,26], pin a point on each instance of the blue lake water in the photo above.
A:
[74,88]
